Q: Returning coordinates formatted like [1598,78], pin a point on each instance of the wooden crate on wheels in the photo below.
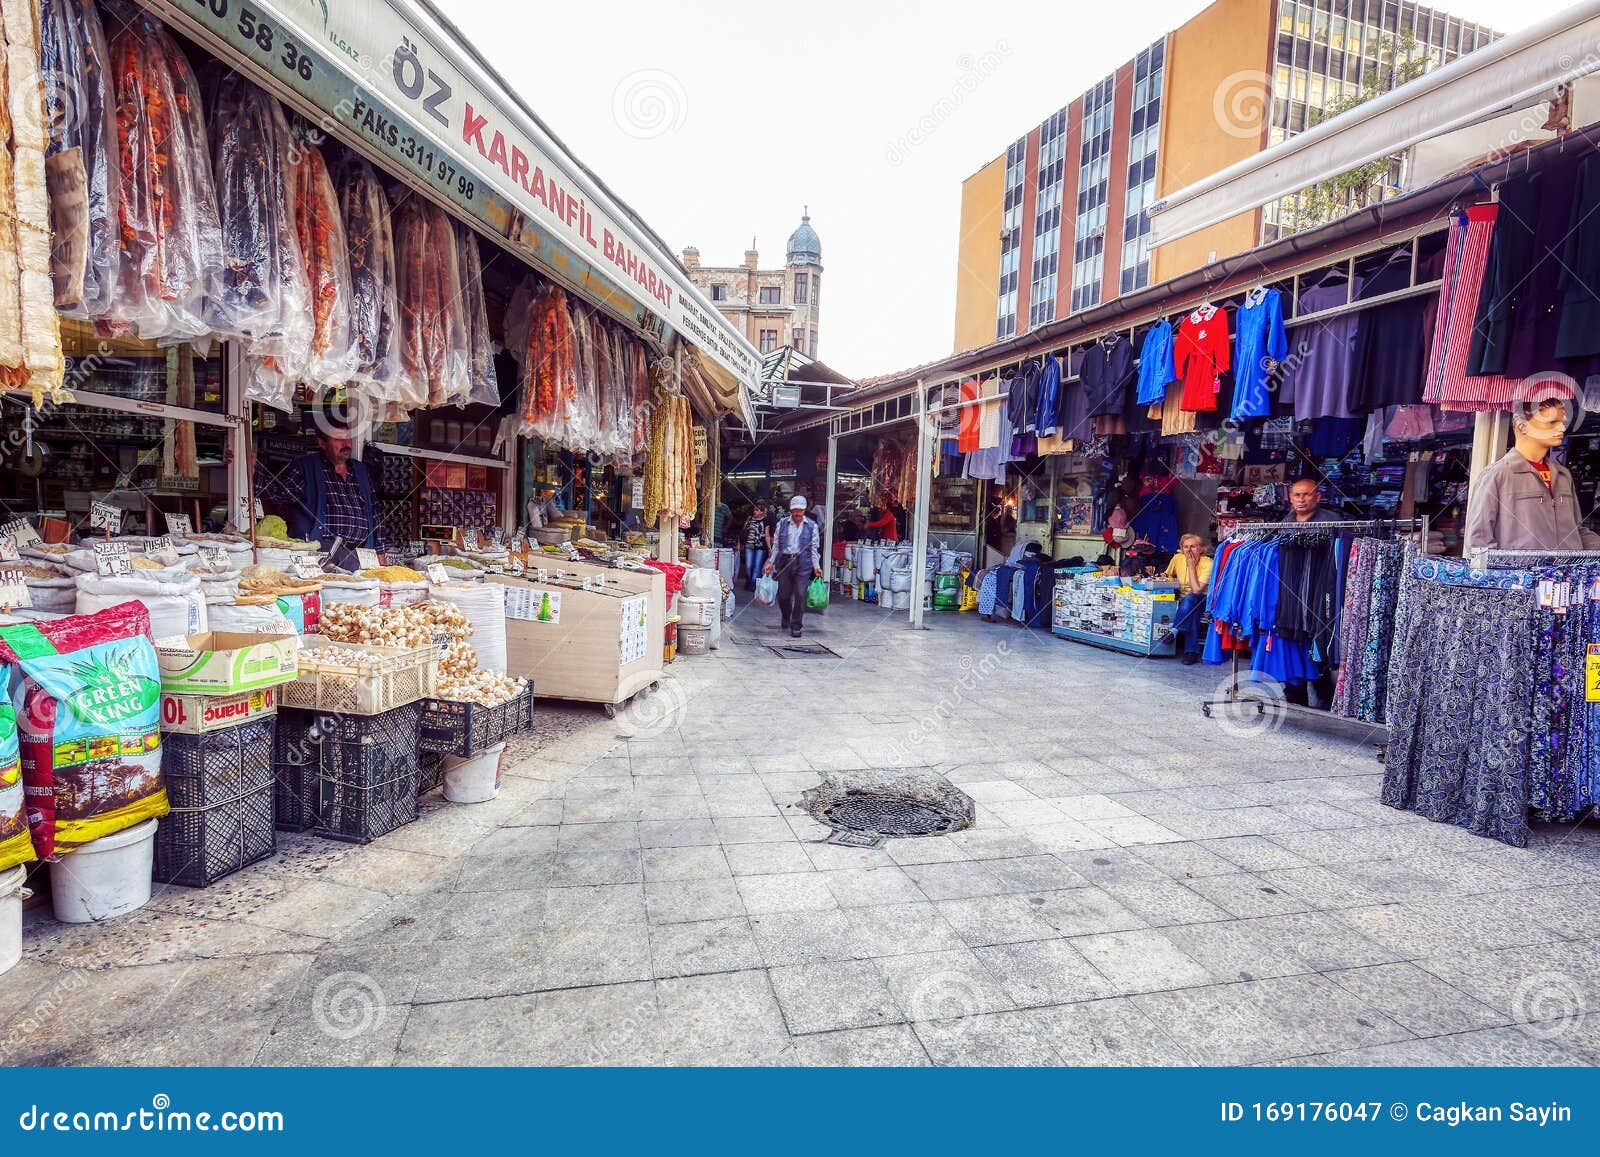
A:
[597,645]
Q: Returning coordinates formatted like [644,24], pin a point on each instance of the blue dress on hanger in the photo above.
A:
[1259,341]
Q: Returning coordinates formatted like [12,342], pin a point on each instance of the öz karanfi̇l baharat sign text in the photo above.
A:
[384,72]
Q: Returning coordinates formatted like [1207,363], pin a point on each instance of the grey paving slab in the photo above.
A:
[895,1046]
[993,1039]
[785,892]
[682,901]
[833,995]
[981,920]
[1105,1033]
[1144,960]
[1044,972]
[685,863]
[936,986]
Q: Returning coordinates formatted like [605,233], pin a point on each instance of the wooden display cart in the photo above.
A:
[597,645]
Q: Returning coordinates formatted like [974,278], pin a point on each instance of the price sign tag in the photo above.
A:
[416,548]
[14,592]
[261,511]
[496,568]
[586,585]
[161,550]
[519,544]
[637,494]
[214,558]
[104,516]
[112,559]
[306,568]
[366,557]
[8,548]
[179,524]
[442,641]
[469,540]
[1591,674]
[437,574]
[21,530]
[516,565]
[497,535]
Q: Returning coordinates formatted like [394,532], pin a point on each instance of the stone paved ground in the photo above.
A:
[1142,886]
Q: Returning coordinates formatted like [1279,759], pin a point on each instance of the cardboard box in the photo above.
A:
[226,662]
[198,714]
[602,646]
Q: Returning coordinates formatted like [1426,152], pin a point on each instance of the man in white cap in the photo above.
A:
[795,561]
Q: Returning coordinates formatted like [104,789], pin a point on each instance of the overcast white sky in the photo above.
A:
[717,121]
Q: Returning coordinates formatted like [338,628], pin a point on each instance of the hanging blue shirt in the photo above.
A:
[1048,416]
[1259,338]
[1155,364]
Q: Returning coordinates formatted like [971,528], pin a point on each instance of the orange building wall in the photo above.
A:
[1218,91]
[978,255]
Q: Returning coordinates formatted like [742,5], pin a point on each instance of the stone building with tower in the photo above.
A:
[772,307]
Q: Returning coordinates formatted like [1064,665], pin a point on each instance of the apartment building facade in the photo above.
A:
[1058,223]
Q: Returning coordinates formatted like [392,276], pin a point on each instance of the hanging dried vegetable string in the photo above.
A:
[40,367]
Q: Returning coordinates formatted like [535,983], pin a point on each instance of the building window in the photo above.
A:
[1047,219]
[1011,239]
[1329,56]
[1094,185]
[769,340]
[802,288]
[771,294]
[719,293]
[1142,147]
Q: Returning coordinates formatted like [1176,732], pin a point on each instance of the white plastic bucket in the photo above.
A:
[867,565]
[693,640]
[12,893]
[106,878]
[475,778]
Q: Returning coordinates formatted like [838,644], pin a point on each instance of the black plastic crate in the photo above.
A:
[354,777]
[297,751]
[220,787]
[452,728]
[430,772]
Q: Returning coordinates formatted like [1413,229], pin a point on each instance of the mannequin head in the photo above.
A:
[1539,427]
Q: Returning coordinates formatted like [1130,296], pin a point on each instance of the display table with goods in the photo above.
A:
[1135,616]
[586,632]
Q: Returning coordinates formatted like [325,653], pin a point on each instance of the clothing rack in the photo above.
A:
[1317,719]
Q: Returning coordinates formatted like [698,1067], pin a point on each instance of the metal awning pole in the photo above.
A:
[830,515]
[925,447]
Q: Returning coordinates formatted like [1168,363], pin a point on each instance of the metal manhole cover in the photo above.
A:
[799,650]
[890,816]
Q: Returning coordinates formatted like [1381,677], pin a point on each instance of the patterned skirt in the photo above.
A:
[1461,709]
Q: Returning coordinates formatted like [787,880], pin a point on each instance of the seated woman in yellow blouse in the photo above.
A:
[1190,568]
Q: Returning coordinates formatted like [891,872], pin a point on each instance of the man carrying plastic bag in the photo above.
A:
[795,561]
